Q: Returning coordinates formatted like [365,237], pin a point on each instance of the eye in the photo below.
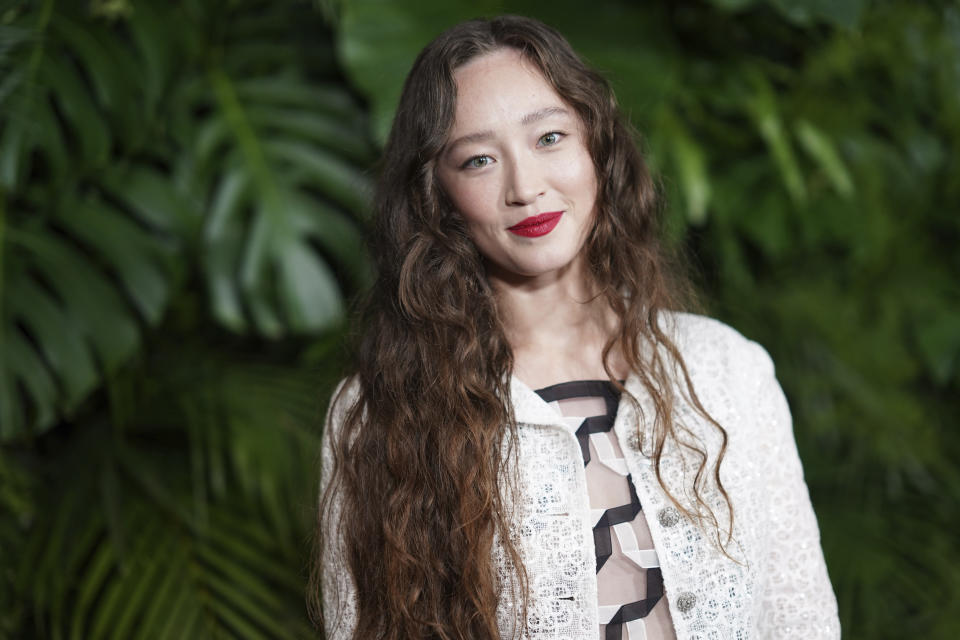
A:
[550,139]
[477,162]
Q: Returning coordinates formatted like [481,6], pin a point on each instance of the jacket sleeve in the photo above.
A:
[796,598]
[339,594]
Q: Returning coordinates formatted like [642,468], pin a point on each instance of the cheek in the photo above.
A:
[578,174]
[475,201]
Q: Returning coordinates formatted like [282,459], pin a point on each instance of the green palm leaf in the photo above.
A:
[147,542]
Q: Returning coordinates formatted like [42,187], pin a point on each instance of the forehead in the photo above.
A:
[498,88]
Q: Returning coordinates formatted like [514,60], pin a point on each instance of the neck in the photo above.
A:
[557,327]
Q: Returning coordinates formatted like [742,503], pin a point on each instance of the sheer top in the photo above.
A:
[631,602]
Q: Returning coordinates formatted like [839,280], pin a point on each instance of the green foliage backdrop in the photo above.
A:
[182,192]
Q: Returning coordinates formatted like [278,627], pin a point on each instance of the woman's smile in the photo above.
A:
[536,226]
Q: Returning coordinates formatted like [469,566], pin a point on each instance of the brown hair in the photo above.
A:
[420,462]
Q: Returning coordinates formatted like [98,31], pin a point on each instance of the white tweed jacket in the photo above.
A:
[774,586]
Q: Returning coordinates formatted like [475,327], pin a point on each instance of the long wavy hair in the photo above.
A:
[419,487]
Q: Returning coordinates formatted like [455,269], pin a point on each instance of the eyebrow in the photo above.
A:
[527,119]
[540,114]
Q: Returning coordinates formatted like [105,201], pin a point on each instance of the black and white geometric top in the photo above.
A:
[629,582]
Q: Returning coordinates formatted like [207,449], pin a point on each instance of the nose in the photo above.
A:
[524,183]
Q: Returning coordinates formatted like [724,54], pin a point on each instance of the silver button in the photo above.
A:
[668,516]
[686,601]
[633,441]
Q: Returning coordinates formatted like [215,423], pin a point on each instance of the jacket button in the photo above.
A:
[633,441]
[686,601]
[668,516]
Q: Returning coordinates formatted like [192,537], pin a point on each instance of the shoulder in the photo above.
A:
[706,343]
[342,400]
[344,396]
[728,370]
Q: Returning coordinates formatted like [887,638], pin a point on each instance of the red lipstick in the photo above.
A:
[536,226]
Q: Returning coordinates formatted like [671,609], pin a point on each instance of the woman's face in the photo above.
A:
[517,168]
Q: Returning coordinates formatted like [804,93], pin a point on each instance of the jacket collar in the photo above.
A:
[530,408]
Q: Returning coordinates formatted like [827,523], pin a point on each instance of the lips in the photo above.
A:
[536,226]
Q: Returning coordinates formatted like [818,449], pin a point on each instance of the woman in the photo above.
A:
[649,488]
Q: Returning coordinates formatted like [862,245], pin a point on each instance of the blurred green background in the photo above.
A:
[183,188]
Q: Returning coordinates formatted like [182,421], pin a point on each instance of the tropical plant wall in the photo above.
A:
[183,189]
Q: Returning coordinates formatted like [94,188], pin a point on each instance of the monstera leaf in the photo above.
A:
[279,159]
[90,225]
[284,193]
[134,152]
